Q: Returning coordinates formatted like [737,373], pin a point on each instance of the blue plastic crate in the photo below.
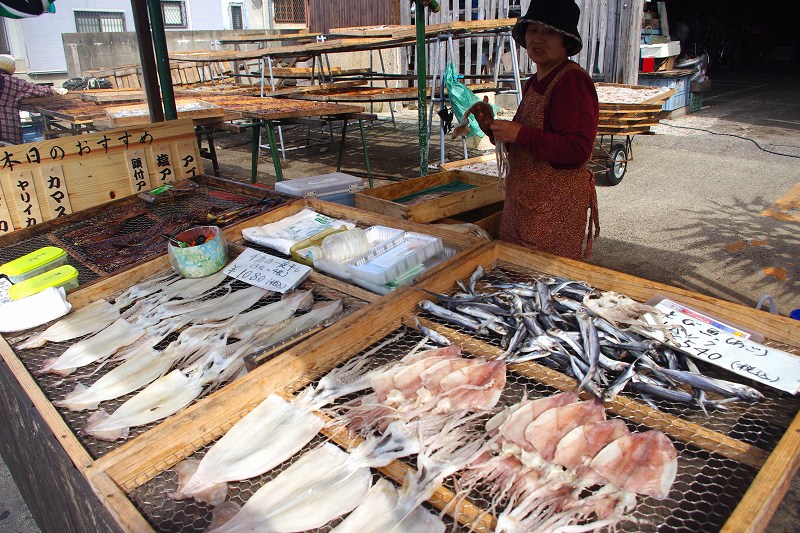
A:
[679,83]
[32,132]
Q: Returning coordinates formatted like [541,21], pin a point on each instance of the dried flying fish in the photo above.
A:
[626,313]
[595,337]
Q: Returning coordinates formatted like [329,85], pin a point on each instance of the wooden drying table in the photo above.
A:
[379,94]
[272,112]
[84,116]
[68,116]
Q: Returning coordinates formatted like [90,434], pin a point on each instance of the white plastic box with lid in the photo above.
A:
[336,187]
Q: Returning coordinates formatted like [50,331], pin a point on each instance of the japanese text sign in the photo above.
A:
[724,346]
[267,271]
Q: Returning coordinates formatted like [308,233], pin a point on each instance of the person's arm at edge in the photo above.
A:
[30,90]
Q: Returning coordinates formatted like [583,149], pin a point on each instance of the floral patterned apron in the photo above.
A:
[547,209]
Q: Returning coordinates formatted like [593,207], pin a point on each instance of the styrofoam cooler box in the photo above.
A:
[336,187]
[670,48]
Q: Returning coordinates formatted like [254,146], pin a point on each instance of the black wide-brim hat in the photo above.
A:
[560,15]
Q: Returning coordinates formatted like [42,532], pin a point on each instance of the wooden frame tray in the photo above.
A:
[116,477]
[146,460]
[134,218]
[382,199]
[53,451]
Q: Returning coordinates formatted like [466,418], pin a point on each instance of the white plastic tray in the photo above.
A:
[384,264]
[378,236]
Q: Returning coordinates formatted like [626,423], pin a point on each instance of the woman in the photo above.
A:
[12,90]
[550,194]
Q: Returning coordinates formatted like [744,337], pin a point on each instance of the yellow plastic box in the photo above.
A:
[34,263]
[64,276]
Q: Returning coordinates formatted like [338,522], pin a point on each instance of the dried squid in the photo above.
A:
[179,388]
[558,464]
[376,515]
[434,381]
[271,433]
[85,321]
[323,484]
[101,345]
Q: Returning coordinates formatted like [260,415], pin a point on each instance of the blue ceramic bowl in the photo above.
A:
[199,260]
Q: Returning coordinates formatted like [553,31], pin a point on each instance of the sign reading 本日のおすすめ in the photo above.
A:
[49,179]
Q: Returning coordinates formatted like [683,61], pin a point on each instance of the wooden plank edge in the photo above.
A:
[61,431]
[119,506]
[769,487]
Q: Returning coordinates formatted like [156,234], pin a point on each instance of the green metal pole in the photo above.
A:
[162,58]
[422,86]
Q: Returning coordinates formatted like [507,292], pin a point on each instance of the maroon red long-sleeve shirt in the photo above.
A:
[570,121]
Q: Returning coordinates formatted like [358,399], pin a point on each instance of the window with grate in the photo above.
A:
[99,21]
[237,21]
[174,13]
[290,11]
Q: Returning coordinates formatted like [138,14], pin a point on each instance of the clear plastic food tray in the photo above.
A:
[378,237]
[387,263]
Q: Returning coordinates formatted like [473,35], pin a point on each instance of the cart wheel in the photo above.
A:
[617,164]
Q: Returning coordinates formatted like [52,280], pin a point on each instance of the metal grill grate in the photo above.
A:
[707,488]
[56,388]
[10,252]
[129,234]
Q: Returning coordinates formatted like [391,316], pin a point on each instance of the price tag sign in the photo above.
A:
[724,346]
[267,271]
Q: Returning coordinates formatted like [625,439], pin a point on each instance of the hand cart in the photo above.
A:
[610,157]
[619,122]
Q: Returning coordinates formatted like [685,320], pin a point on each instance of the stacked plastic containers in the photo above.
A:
[36,271]
[394,257]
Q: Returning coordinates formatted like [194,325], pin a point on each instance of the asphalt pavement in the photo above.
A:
[710,203]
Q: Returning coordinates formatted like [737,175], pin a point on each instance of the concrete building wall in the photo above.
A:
[204,15]
[254,14]
[37,42]
[42,49]
[97,50]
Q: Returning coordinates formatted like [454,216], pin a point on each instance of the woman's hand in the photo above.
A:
[506,130]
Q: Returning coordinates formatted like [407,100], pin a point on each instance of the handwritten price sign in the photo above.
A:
[267,271]
[721,345]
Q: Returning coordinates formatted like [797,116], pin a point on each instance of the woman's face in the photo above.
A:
[544,45]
